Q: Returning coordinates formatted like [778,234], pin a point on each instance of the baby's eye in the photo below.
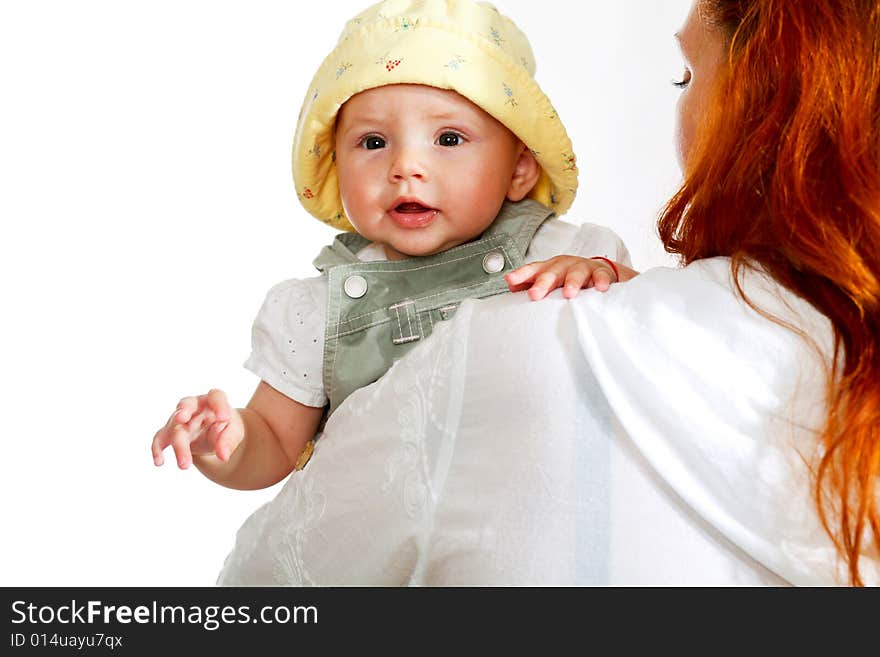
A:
[372,142]
[450,139]
[685,80]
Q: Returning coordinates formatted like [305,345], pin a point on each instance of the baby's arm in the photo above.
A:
[572,273]
[248,448]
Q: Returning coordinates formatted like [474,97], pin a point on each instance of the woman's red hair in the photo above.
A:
[785,175]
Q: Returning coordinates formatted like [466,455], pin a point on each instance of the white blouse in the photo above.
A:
[657,434]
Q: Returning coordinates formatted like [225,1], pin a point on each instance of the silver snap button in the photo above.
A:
[355,286]
[493,262]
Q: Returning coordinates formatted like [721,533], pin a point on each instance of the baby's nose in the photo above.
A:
[408,164]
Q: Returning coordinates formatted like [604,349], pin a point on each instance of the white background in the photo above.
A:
[147,206]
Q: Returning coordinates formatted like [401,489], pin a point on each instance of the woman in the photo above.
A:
[715,424]
[786,178]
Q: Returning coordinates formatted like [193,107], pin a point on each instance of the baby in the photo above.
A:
[425,137]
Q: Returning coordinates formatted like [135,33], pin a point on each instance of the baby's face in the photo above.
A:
[421,169]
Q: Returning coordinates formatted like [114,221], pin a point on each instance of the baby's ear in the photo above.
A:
[525,175]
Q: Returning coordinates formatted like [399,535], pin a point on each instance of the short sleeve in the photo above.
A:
[287,340]
[557,237]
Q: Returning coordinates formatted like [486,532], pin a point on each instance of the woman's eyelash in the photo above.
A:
[685,80]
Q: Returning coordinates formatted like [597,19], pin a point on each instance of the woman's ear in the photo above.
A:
[525,174]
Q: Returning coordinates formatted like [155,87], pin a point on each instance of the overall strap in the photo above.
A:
[342,251]
[519,221]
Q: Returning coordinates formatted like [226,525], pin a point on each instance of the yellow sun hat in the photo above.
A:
[461,45]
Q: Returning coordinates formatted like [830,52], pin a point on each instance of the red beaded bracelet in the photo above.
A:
[610,263]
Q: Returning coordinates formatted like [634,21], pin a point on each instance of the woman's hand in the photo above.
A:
[206,424]
[572,273]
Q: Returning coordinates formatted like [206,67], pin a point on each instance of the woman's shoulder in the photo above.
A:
[562,236]
[710,283]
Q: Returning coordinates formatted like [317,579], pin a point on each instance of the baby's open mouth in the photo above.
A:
[412,214]
[412,208]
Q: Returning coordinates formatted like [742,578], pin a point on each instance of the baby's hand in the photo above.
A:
[201,425]
[572,273]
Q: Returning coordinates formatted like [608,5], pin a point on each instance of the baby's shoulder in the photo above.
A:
[297,295]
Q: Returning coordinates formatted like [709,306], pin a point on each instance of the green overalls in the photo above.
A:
[378,311]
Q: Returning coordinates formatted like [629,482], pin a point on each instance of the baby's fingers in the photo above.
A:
[180,440]
[186,408]
[523,274]
[161,440]
[216,401]
[603,278]
[545,283]
[575,279]
[215,436]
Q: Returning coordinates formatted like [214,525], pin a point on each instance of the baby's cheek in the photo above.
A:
[476,188]
[363,206]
